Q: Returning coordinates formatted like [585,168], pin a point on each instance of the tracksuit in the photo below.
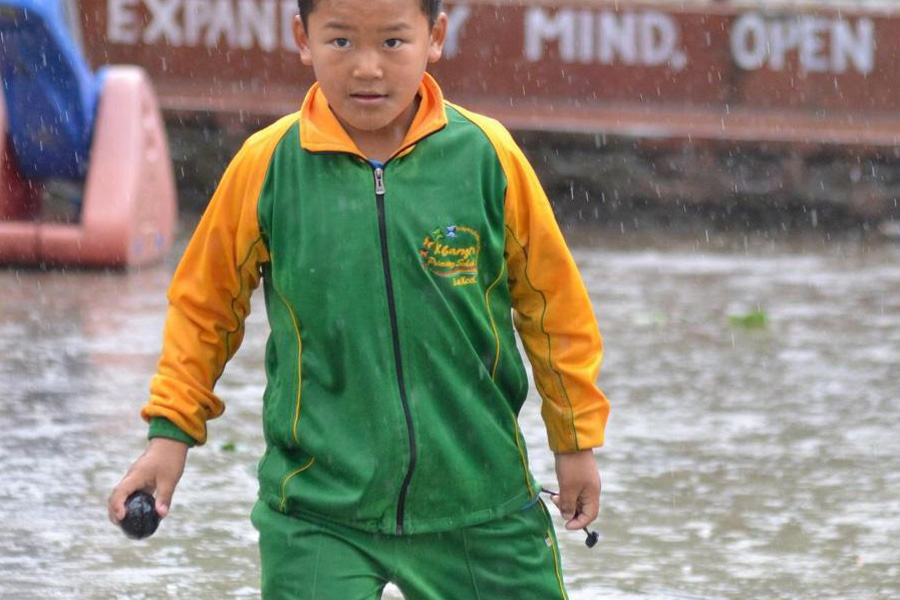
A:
[392,290]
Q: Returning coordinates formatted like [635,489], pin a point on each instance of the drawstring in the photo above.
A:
[592,536]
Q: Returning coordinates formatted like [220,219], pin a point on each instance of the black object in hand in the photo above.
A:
[592,536]
[141,518]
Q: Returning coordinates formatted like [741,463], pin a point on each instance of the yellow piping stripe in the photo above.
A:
[549,340]
[522,455]
[555,550]
[487,304]
[288,478]
[234,299]
[299,362]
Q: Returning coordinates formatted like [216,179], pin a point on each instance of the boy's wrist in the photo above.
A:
[161,427]
[167,446]
[574,452]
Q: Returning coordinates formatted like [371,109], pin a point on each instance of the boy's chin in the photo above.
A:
[372,124]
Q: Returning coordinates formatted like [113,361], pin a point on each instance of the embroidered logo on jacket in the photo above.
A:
[452,251]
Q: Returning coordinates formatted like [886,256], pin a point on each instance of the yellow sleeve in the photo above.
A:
[552,311]
[209,297]
[553,314]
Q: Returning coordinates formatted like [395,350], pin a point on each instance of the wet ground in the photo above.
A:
[745,460]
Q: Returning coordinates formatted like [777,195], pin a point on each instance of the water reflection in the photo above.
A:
[741,463]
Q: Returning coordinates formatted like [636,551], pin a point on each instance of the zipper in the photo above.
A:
[398,363]
[379,191]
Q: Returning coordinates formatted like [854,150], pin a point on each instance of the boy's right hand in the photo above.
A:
[158,470]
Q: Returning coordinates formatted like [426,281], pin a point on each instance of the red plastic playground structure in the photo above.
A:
[101,134]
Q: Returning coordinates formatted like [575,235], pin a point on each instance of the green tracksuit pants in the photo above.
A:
[513,558]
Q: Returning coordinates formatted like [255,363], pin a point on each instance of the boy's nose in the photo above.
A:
[368,66]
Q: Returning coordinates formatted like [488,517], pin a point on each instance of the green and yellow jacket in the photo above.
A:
[393,377]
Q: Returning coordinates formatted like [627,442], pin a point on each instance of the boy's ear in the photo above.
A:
[438,35]
[302,40]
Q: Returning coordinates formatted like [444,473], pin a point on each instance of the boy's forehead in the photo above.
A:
[389,27]
[366,10]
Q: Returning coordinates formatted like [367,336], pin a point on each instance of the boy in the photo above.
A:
[394,235]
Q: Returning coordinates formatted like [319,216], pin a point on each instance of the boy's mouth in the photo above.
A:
[368,97]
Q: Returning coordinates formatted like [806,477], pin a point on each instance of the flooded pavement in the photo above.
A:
[743,461]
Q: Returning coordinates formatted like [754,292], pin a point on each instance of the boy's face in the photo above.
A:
[369,57]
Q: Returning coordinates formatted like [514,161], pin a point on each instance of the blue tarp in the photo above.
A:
[51,93]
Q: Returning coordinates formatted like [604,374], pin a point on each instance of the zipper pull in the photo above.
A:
[379,181]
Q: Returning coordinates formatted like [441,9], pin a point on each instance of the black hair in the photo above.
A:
[431,8]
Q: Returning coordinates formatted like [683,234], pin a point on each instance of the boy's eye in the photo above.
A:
[393,43]
[340,42]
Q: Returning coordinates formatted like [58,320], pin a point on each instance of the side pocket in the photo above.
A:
[295,421]
[287,479]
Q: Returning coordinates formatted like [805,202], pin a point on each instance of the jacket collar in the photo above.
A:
[320,131]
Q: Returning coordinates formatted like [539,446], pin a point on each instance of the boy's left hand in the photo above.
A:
[579,488]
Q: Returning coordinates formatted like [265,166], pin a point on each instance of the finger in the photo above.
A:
[129,484]
[115,506]
[588,509]
[116,503]
[578,522]
[567,503]
[164,493]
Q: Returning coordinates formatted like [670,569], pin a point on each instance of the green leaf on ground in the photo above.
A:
[752,320]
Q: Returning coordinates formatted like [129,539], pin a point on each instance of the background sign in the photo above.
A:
[554,66]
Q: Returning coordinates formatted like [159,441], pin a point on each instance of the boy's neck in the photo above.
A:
[381,144]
